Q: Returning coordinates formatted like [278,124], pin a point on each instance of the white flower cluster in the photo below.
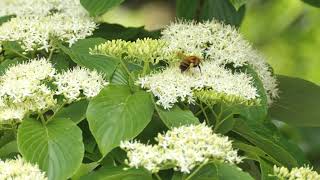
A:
[19,169]
[24,88]
[182,148]
[39,21]
[73,83]
[302,173]
[171,86]
[220,43]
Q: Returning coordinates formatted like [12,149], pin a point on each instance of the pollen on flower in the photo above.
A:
[302,173]
[19,169]
[171,86]
[222,44]
[78,82]
[22,89]
[37,22]
[183,148]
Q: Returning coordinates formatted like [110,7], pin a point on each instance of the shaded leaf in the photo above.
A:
[118,114]
[75,111]
[298,103]
[315,3]
[99,7]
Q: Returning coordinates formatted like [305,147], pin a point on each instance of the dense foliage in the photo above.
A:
[83,99]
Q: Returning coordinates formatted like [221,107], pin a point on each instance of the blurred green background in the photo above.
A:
[287,32]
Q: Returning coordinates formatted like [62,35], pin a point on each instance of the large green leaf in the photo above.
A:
[298,103]
[99,7]
[117,31]
[176,117]
[56,147]
[315,3]
[75,111]
[118,173]
[266,137]
[204,10]
[79,53]
[118,114]
[219,171]
[187,9]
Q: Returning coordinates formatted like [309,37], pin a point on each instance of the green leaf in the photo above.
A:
[266,170]
[118,114]
[84,170]
[222,10]
[315,3]
[75,111]
[118,173]
[298,103]
[60,61]
[220,171]
[266,137]
[79,53]
[99,7]
[186,9]
[56,147]
[8,149]
[4,19]
[176,116]
[117,31]
[238,3]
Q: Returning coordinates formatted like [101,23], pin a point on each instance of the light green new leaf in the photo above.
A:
[56,147]
[118,114]
[238,3]
[118,173]
[99,7]
[298,103]
[176,117]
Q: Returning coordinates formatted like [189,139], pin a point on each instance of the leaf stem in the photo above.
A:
[205,114]
[43,120]
[126,69]
[157,176]
[195,171]
[146,68]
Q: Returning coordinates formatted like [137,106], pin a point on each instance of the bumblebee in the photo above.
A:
[190,62]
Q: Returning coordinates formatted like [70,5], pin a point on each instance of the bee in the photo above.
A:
[190,62]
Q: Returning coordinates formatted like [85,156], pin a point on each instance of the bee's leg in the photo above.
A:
[199,69]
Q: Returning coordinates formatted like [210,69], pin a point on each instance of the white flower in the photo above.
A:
[19,169]
[38,22]
[221,44]
[302,173]
[71,84]
[171,86]
[22,89]
[183,148]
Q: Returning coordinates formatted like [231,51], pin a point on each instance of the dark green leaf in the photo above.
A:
[266,170]
[79,53]
[299,102]
[315,3]
[118,173]
[221,171]
[176,117]
[56,147]
[61,62]
[99,7]
[4,19]
[266,137]
[118,114]
[187,9]
[116,31]
[222,10]
[75,111]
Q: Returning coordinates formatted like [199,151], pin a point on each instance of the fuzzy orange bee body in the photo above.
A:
[189,62]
